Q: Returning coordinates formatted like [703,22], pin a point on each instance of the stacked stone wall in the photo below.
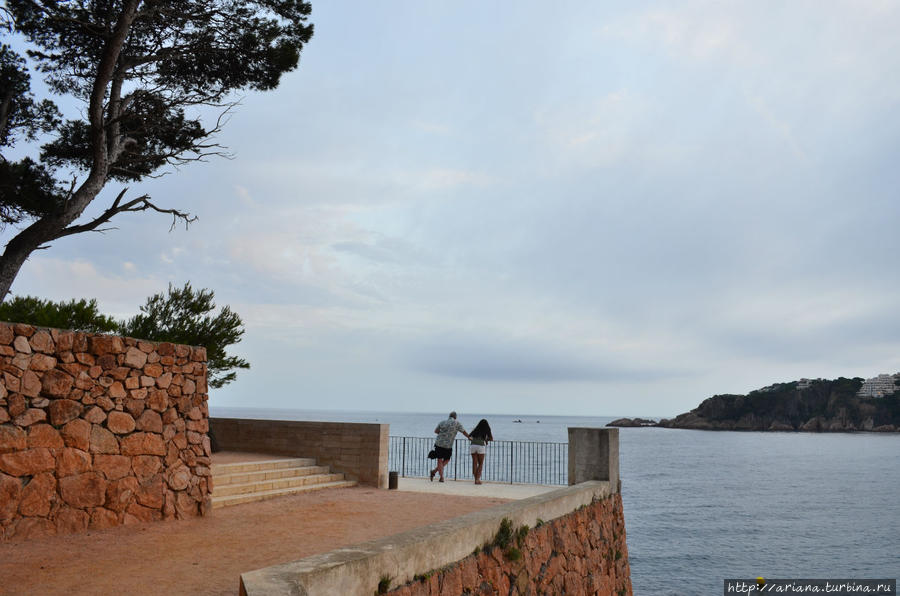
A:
[583,552]
[98,431]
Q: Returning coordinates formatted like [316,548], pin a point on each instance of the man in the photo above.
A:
[443,444]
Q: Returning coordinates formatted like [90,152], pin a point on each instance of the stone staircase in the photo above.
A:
[244,482]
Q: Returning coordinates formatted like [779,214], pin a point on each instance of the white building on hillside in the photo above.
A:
[879,386]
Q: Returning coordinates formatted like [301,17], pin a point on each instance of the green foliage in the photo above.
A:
[513,553]
[138,78]
[181,316]
[504,534]
[81,315]
[521,534]
[784,402]
[184,316]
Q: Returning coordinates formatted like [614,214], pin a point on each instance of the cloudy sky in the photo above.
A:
[578,208]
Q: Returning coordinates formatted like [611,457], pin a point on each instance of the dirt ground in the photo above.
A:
[206,556]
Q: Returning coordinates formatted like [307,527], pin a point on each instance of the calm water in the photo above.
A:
[703,506]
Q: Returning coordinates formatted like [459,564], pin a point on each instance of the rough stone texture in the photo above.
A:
[120,422]
[82,431]
[583,552]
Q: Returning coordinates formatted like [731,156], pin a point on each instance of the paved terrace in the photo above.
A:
[206,556]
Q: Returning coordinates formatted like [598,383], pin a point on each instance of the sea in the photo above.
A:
[703,506]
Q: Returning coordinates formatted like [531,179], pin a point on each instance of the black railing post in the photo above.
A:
[403,465]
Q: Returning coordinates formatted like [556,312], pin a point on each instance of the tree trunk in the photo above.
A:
[46,229]
[50,227]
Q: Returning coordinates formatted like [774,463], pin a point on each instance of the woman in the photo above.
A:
[479,438]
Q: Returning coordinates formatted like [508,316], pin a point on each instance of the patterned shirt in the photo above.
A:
[447,432]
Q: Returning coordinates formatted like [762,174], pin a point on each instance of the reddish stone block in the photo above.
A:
[20,362]
[44,435]
[120,422]
[103,441]
[135,358]
[56,383]
[143,443]
[65,340]
[38,495]
[120,373]
[117,390]
[83,490]
[21,345]
[105,403]
[77,433]
[10,493]
[42,362]
[143,514]
[121,493]
[170,416]
[102,518]
[158,400]
[112,467]
[42,342]
[164,380]
[71,521]
[30,416]
[145,466]
[152,493]
[33,527]
[7,335]
[153,371]
[107,362]
[198,426]
[105,344]
[11,382]
[178,477]
[15,403]
[28,462]
[71,461]
[95,415]
[185,506]
[150,421]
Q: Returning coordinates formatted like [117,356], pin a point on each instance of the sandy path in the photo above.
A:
[207,555]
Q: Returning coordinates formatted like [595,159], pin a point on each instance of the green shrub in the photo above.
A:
[504,533]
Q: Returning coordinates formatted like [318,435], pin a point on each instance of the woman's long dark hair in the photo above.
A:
[482,431]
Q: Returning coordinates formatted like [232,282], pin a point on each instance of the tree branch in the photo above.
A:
[141,203]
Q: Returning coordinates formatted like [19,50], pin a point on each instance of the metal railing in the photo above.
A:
[523,462]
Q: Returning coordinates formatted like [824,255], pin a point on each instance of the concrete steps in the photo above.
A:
[245,482]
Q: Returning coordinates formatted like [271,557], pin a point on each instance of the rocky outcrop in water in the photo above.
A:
[820,406]
[632,422]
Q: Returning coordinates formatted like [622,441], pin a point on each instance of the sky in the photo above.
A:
[581,208]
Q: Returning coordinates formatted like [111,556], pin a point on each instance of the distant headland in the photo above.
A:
[809,405]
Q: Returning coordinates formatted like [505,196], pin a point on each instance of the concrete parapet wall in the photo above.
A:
[98,430]
[358,450]
[581,533]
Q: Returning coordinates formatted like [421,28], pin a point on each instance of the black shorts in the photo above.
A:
[440,453]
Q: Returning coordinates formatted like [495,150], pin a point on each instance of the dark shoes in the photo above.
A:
[432,476]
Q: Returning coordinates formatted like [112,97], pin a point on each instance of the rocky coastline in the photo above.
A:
[820,406]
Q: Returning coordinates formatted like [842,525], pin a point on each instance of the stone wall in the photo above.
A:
[583,552]
[358,450]
[577,541]
[98,430]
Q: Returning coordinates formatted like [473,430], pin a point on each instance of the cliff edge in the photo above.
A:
[819,406]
